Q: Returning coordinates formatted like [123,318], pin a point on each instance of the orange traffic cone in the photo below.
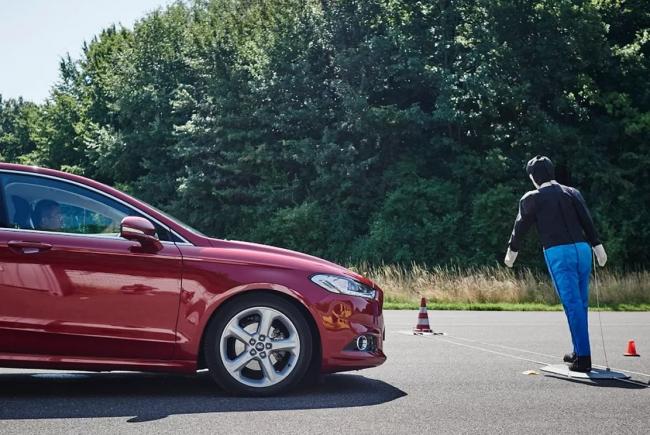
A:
[423,319]
[631,349]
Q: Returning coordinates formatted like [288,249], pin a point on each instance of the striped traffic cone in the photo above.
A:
[423,319]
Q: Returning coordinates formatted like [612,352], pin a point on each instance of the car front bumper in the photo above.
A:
[341,320]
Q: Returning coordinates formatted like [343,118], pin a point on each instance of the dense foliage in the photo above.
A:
[378,130]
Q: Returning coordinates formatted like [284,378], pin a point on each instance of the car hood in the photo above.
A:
[280,257]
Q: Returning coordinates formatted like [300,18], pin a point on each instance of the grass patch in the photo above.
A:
[463,306]
[498,288]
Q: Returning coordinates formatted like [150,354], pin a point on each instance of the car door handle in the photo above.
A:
[29,247]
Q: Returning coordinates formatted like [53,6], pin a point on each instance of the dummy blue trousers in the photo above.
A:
[570,268]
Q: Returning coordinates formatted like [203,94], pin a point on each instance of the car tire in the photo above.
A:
[258,345]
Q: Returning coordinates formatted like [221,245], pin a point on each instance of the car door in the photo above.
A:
[69,285]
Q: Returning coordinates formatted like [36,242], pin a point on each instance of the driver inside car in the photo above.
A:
[47,216]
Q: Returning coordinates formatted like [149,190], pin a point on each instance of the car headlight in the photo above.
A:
[344,285]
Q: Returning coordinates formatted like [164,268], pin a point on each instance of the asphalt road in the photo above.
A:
[469,381]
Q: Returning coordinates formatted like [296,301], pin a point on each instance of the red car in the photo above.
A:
[93,279]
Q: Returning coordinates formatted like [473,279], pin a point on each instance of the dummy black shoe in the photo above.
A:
[581,364]
[570,357]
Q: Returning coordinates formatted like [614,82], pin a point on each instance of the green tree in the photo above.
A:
[380,130]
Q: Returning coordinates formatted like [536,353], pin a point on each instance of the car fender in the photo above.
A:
[197,309]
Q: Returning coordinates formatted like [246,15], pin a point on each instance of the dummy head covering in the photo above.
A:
[541,169]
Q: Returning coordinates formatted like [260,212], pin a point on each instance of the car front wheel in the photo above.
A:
[258,345]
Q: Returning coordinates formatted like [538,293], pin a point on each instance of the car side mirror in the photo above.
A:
[140,230]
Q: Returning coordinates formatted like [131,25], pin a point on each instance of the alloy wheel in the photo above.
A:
[259,347]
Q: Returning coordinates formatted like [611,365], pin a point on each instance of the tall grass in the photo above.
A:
[490,285]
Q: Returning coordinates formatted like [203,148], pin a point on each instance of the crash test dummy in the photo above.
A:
[568,236]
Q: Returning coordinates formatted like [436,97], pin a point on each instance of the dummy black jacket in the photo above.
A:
[560,214]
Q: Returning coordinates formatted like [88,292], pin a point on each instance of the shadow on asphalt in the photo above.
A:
[146,397]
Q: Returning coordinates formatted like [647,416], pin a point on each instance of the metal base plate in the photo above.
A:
[421,334]
[563,370]
[427,333]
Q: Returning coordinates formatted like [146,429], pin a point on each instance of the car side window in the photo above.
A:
[44,204]
[4,222]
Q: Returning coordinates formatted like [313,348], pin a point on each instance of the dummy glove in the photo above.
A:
[511,256]
[601,255]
